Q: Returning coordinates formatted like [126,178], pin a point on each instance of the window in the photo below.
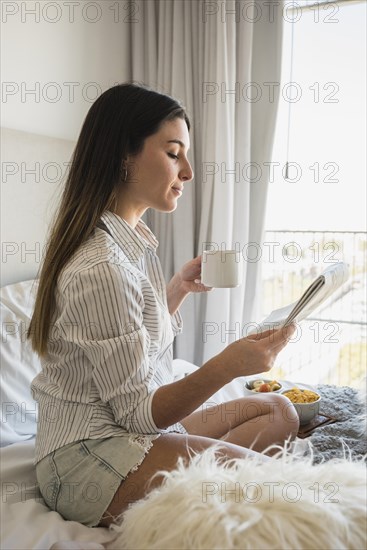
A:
[317,190]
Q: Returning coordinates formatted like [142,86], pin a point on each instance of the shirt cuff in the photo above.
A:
[139,420]
[178,427]
[177,323]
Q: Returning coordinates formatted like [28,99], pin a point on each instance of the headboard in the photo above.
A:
[33,169]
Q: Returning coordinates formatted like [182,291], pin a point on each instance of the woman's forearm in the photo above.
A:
[251,355]
[173,402]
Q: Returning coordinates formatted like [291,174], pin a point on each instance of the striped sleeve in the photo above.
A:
[176,322]
[103,316]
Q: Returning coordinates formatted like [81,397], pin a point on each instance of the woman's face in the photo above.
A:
[156,176]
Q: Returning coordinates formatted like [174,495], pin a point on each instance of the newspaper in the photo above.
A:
[321,288]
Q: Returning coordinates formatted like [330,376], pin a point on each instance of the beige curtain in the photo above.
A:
[219,59]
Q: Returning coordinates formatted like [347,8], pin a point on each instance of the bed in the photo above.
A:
[179,514]
[26,522]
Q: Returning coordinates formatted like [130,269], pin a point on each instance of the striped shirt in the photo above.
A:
[110,344]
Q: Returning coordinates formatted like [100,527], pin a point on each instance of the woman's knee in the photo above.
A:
[286,414]
[281,413]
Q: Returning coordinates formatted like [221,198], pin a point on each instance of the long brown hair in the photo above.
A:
[116,126]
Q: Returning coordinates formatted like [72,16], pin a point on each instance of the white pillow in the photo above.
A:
[19,364]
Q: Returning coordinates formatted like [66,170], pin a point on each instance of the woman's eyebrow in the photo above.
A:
[177,141]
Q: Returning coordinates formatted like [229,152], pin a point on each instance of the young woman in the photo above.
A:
[110,414]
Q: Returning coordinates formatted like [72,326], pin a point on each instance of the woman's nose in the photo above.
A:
[187,173]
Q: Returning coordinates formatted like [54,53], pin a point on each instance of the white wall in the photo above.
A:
[39,55]
[36,53]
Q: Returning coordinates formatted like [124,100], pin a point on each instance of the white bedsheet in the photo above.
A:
[26,521]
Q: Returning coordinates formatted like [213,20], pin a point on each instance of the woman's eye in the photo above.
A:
[173,156]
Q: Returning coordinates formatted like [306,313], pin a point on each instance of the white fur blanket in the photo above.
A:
[285,503]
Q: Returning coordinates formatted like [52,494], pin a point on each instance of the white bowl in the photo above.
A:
[306,411]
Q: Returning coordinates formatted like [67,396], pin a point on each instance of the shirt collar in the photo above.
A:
[133,241]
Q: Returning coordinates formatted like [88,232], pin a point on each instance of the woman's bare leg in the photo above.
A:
[246,422]
[252,422]
[164,455]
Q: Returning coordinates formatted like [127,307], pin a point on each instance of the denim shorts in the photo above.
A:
[80,479]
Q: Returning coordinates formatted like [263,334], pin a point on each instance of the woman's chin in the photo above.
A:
[169,207]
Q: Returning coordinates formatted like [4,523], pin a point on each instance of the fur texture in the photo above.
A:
[346,406]
[285,502]
[363,399]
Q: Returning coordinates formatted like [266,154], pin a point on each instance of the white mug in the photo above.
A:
[221,268]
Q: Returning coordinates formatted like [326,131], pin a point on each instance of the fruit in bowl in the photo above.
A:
[306,402]
[263,386]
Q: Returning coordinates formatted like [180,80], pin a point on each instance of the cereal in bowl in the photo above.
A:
[297,395]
